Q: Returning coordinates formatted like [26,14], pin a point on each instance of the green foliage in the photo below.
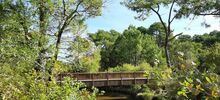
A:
[184,38]
[185,54]
[156,29]
[143,7]
[198,7]
[200,85]
[80,45]
[212,59]
[105,40]
[83,56]
[184,84]
[143,30]
[133,47]
[89,63]
[131,68]
[15,49]
[147,93]
[25,46]
[208,40]
[19,79]
[32,85]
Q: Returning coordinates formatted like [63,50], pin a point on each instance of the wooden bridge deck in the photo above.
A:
[107,79]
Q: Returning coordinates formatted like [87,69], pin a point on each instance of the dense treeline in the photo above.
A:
[33,38]
[144,45]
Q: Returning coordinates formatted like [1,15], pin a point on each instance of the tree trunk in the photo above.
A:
[43,24]
[166,47]
[167,53]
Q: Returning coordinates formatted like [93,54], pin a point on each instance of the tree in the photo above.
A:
[105,40]
[211,62]
[127,48]
[134,47]
[184,38]
[50,19]
[156,29]
[90,62]
[143,30]
[206,39]
[185,54]
[198,7]
[73,12]
[83,56]
[144,8]
[27,35]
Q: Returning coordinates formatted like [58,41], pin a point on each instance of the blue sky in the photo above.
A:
[116,16]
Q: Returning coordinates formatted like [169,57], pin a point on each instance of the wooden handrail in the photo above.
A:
[107,78]
[104,75]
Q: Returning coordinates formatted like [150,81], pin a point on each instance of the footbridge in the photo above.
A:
[101,79]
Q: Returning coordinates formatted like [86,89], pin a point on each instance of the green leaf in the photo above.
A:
[208,79]
[183,93]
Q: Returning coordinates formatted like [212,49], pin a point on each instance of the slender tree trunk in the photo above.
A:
[66,22]
[167,53]
[168,32]
[42,28]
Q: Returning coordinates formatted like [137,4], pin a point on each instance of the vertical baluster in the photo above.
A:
[77,76]
[92,79]
[107,76]
[134,77]
[121,78]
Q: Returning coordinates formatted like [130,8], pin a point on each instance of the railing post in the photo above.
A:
[107,76]
[92,79]
[147,79]
[77,76]
[121,78]
[134,77]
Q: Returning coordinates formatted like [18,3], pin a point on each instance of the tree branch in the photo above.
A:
[203,14]
[68,19]
[161,20]
[172,19]
[169,21]
[64,8]
[158,7]
[170,13]
[175,36]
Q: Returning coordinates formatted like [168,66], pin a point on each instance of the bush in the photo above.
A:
[144,67]
[88,63]
[34,85]
[129,67]
[184,84]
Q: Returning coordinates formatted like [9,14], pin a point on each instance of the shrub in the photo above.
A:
[144,67]
[17,84]
[184,84]
[129,67]
[123,68]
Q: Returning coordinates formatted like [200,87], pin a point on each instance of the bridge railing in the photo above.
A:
[103,75]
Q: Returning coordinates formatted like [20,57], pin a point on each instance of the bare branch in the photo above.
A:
[158,7]
[172,19]
[170,13]
[64,8]
[161,20]
[203,14]
[175,36]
